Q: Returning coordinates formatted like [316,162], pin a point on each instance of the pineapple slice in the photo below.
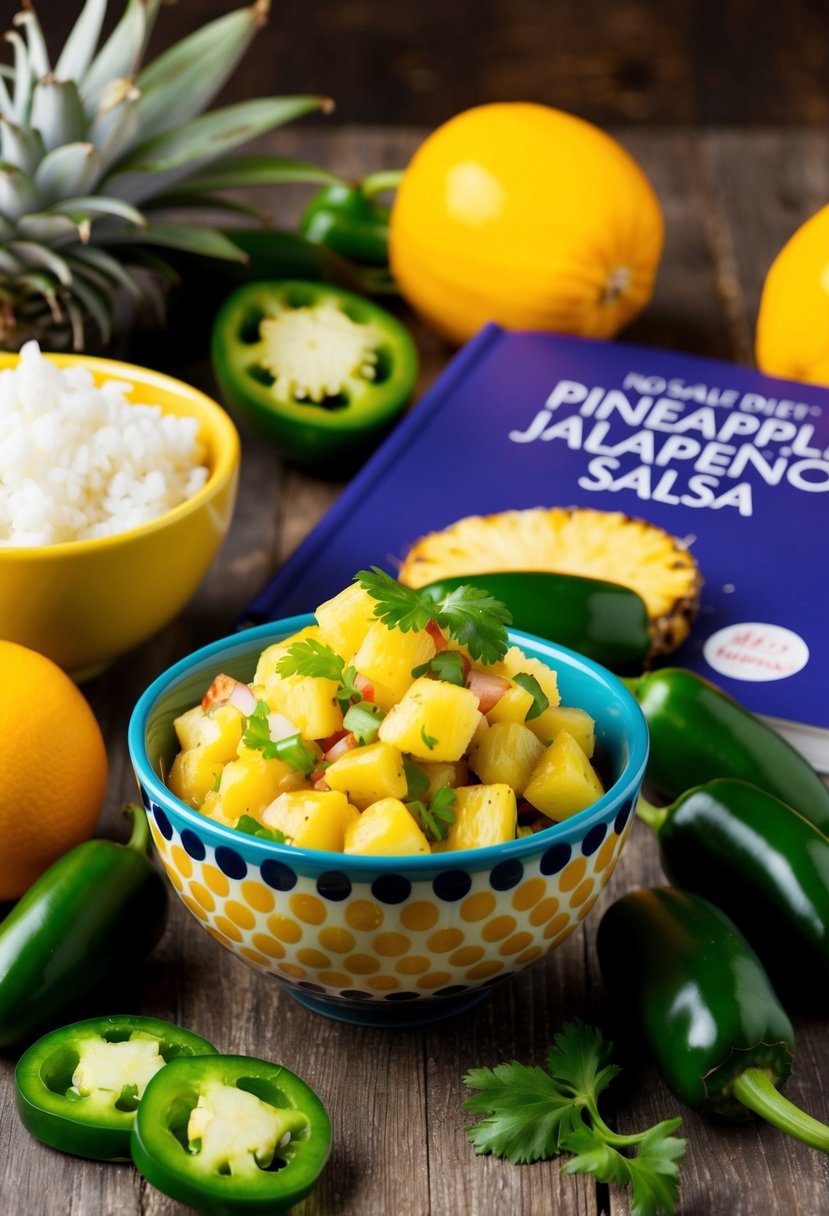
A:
[507,755]
[597,544]
[367,774]
[484,814]
[312,819]
[563,781]
[577,722]
[386,658]
[216,731]
[346,619]
[433,721]
[193,775]
[386,828]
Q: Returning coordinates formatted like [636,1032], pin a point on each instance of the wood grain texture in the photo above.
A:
[648,61]
[730,198]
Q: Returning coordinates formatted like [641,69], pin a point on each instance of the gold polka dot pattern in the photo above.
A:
[419,945]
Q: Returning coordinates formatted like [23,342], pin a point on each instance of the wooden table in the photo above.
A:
[730,200]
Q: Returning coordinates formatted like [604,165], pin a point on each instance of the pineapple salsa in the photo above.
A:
[398,724]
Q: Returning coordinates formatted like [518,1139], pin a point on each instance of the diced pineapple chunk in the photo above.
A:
[443,774]
[309,701]
[367,774]
[564,781]
[386,658]
[507,754]
[515,661]
[311,819]
[271,655]
[217,731]
[193,775]
[577,722]
[512,707]
[249,784]
[345,620]
[433,721]
[484,814]
[386,828]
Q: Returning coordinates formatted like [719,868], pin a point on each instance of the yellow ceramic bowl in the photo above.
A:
[83,603]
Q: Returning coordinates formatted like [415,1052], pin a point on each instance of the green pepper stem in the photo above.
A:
[140,835]
[376,183]
[755,1089]
[653,816]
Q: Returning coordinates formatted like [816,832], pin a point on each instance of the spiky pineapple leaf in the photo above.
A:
[120,56]
[183,80]
[79,47]
[35,42]
[57,112]
[207,242]
[233,172]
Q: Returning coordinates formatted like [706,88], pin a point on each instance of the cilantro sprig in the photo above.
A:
[311,657]
[534,1113]
[472,616]
[436,816]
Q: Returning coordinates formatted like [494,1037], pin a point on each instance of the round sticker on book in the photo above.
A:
[755,651]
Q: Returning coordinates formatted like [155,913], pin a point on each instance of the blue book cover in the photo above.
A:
[734,463]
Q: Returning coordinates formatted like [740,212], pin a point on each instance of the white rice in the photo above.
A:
[79,461]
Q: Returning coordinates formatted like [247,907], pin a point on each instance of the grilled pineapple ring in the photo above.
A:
[571,540]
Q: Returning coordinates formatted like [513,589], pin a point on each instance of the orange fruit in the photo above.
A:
[53,767]
[792,338]
[524,215]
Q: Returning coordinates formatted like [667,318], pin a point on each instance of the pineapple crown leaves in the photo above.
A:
[102,151]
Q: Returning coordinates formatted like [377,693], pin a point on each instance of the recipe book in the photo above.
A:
[734,463]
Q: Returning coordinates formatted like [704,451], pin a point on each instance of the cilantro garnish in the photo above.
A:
[438,815]
[256,734]
[473,617]
[252,827]
[417,782]
[446,665]
[292,749]
[533,1114]
[217,782]
[313,658]
[429,740]
[532,686]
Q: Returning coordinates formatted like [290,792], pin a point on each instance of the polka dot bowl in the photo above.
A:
[388,940]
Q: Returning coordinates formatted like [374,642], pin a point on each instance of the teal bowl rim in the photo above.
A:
[370,866]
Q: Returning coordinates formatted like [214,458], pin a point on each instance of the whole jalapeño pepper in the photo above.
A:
[603,621]
[704,1006]
[762,864]
[699,733]
[346,218]
[95,908]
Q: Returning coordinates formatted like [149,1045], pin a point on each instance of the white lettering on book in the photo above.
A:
[713,440]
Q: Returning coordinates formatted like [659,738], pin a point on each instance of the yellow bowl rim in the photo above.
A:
[228,451]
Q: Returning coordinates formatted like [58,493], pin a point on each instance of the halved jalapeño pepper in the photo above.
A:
[603,621]
[230,1134]
[321,372]
[77,1088]
[684,974]
[698,733]
[764,865]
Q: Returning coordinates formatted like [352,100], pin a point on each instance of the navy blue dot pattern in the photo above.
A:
[452,885]
[555,859]
[277,875]
[593,839]
[230,862]
[391,889]
[192,844]
[334,885]
[506,875]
